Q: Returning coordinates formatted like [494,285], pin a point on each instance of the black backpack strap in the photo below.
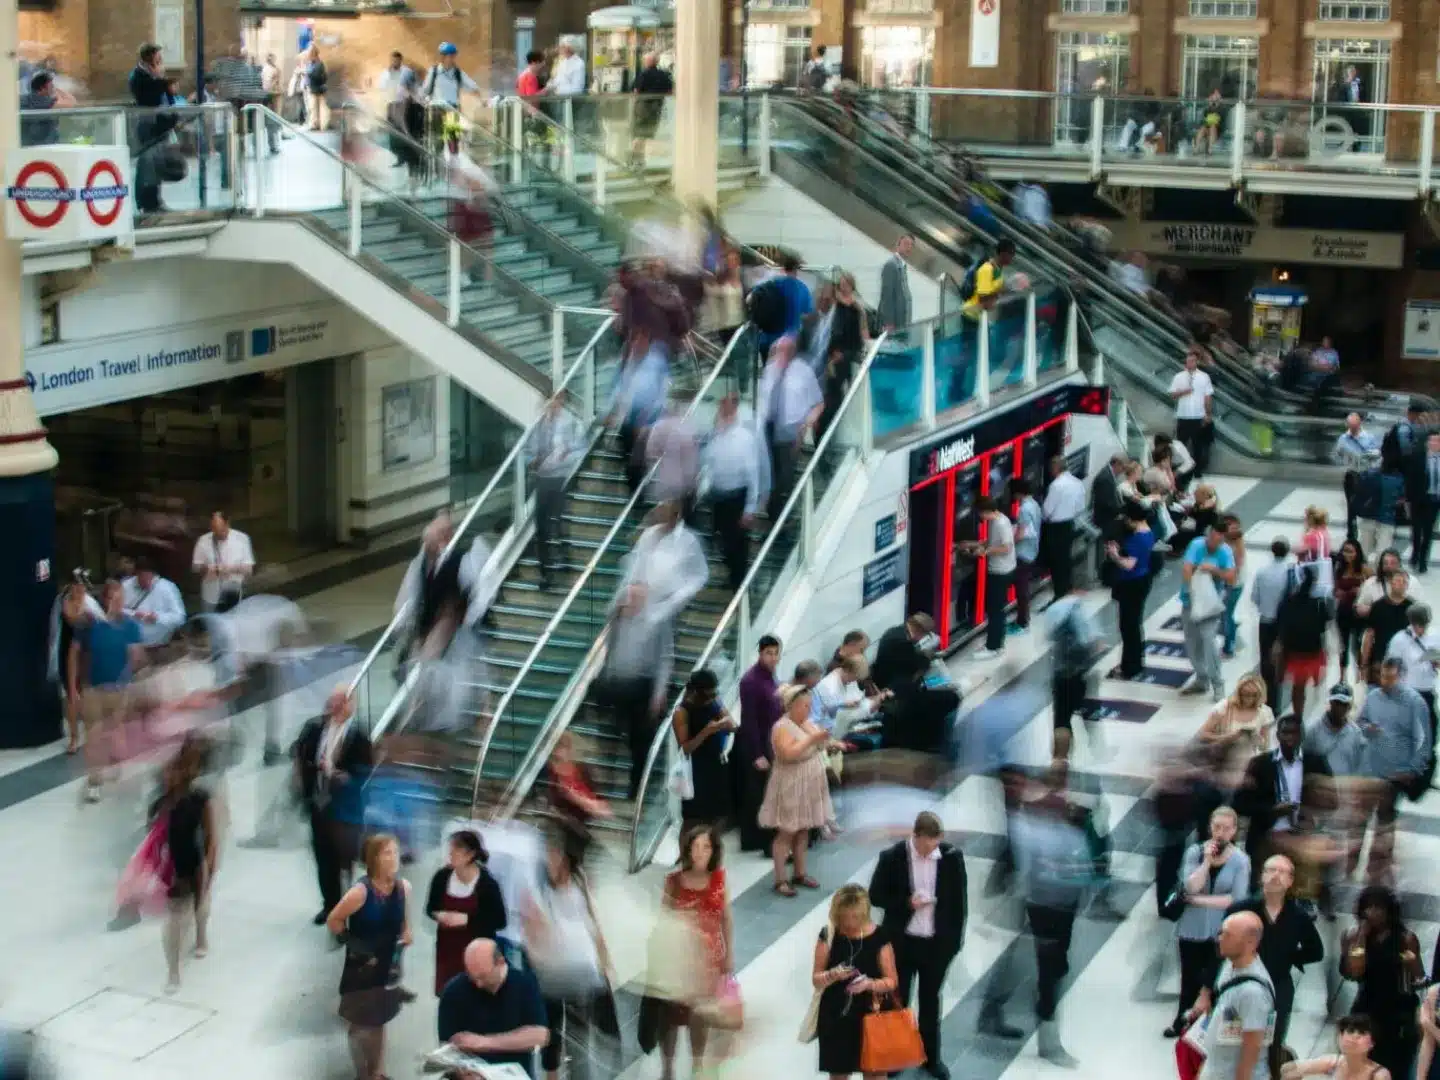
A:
[1241,979]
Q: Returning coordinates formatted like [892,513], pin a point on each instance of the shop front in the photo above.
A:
[949,475]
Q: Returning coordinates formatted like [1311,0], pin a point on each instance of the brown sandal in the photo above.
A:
[806,882]
[784,888]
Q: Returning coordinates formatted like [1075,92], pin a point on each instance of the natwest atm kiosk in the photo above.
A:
[949,474]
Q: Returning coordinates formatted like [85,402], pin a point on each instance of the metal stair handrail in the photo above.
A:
[621,518]
[859,385]
[502,471]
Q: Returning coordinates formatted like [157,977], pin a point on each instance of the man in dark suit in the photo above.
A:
[332,759]
[921,884]
[918,717]
[1105,505]
[1279,786]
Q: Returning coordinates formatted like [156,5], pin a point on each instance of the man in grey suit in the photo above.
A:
[895,287]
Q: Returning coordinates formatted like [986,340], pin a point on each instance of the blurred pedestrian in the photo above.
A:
[333,756]
[1382,954]
[554,451]
[192,833]
[731,469]
[790,404]
[701,726]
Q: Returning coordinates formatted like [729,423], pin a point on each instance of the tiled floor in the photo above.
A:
[263,1003]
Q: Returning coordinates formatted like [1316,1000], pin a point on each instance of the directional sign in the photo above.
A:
[61,193]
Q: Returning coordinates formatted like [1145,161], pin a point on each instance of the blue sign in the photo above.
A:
[882,576]
[1172,649]
[885,533]
[1133,712]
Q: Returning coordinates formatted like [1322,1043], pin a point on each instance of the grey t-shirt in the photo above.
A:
[1001,534]
[1248,1006]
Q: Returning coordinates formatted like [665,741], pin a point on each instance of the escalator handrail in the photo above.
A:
[580,582]
[859,384]
[502,471]
[1017,228]
[513,284]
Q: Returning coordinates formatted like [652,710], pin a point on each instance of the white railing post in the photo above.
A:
[455,274]
[567,146]
[517,140]
[743,631]
[119,129]
[601,169]
[591,378]
[357,213]
[1072,336]
[557,347]
[517,494]
[1032,360]
[927,377]
[1122,424]
[982,370]
[764,135]
[237,163]
[807,523]
[258,176]
[922,111]
[1097,137]
[1427,151]
[1097,374]
[867,421]
[1237,145]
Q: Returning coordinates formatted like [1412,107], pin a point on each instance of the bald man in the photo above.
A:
[493,1011]
[1242,1016]
[332,759]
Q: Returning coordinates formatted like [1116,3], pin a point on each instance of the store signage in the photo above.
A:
[882,576]
[885,533]
[64,193]
[1422,330]
[985,33]
[1208,240]
[66,377]
[958,447]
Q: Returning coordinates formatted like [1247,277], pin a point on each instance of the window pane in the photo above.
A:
[1355,10]
[1224,9]
[1095,7]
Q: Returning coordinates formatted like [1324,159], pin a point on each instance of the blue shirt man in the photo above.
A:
[494,1011]
[1205,552]
[1027,532]
[798,304]
[108,645]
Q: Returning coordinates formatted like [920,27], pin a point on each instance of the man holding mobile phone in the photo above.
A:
[1194,395]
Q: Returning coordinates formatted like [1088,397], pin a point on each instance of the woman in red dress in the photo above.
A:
[466,904]
[698,888]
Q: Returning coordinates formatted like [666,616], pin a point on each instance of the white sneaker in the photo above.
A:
[987,654]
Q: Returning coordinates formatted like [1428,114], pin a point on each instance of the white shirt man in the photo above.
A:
[924,869]
[1414,647]
[224,561]
[398,81]
[569,76]
[1191,390]
[789,397]
[730,462]
[444,84]
[1065,498]
[155,603]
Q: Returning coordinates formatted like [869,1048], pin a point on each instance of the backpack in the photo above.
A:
[767,307]
[970,283]
[817,76]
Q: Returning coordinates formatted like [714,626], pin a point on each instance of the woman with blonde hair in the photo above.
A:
[1236,730]
[373,916]
[853,965]
[797,796]
[1315,548]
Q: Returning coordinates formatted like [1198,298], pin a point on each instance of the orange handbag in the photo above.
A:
[890,1039]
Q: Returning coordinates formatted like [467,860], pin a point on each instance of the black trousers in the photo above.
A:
[1351,519]
[1051,928]
[751,783]
[1269,634]
[1056,540]
[1195,434]
[917,960]
[1130,596]
[1422,526]
[634,460]
[1198,963]
[997,589]
[726,510]
[629,702]
[1067,695]
[336,845]
[784,455]
[549,520]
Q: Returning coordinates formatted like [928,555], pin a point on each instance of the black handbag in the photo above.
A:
[1174,905]
[171,165]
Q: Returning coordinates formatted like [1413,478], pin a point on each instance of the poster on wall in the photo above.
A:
[407,424]
[1422,329]
[170,32]
[984,33]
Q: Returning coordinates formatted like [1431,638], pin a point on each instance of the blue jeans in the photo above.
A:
[1229,625]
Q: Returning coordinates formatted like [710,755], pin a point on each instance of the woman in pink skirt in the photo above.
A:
[797,796]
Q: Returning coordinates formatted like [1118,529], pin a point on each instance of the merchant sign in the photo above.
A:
[1254,243]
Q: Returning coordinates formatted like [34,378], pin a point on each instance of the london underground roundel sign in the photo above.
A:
[43,184]
[41,194]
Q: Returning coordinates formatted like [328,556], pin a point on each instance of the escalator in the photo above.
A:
[833,159]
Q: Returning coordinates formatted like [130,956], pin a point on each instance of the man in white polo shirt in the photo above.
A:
[224,561]
[1416,648]
[1193,393]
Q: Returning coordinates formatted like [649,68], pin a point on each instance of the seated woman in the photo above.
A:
[1207,136]
[1351,1063]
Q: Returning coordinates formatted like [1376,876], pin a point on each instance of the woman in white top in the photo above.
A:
[567,951]
[724,297]
[1353,1061]
[1236,730]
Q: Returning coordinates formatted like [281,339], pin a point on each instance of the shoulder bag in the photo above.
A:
[810,1025]
[890,1038]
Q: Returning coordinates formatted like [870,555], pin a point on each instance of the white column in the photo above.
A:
[1097,137]
[764,143]
[1032,361]
[1427,151]
[1238,138]
[982,361]
[697,100]
[24,450]
[1072,336]
[927,377]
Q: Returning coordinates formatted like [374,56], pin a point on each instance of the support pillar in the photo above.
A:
[31,715]
[697,100]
